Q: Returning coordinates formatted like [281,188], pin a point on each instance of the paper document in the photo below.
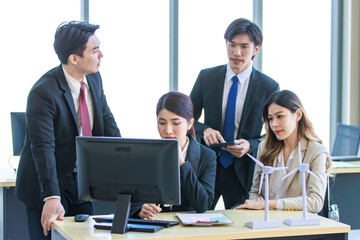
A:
[200,219]
[336,164]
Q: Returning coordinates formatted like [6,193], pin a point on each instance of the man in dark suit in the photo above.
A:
[240,85]
[66,102]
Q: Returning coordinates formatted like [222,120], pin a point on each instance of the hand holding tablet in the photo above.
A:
[219,145]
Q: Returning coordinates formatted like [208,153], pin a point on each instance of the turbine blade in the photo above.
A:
[261,182]
[296,169]
[255,160]
[313,174]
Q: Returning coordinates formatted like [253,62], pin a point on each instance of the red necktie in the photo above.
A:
[84,113]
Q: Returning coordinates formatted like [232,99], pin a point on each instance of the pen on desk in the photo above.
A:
[215,221]
[205,223]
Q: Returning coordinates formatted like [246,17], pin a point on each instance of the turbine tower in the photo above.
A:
[266,170]
[303,167]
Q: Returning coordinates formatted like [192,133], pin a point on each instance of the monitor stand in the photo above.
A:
[121,216]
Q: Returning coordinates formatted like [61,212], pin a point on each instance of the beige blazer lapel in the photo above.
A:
[295,164]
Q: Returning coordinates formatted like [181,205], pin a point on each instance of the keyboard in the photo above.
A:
[131,227]
[164,223]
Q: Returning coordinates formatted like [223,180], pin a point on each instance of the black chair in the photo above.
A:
[346,144]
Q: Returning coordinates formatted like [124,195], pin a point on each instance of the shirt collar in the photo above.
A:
[243,76]
[74,84]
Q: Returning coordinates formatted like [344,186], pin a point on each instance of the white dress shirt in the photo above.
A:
[243,84]
[277,188]
[75,92]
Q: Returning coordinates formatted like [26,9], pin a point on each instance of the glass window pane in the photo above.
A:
[296,53]
[202,24]
[27,39]
[134,37]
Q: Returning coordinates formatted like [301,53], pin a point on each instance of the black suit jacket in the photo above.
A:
[197,180]
[207,94]
[49,155]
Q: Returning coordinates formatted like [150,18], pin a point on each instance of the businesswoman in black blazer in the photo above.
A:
[197,163]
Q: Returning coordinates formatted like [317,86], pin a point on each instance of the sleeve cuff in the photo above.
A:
[52,197]
[280,205]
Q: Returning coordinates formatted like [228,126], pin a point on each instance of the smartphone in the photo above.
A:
[219,145]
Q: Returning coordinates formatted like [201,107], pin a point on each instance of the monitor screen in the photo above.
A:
[143,170]
[18,126]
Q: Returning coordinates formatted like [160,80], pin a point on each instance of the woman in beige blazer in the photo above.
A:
[286,124]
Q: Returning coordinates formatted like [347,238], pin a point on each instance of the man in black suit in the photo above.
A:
[47,181]
[210,93]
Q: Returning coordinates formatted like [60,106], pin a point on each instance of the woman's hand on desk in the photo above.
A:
[149,211]
[257,204]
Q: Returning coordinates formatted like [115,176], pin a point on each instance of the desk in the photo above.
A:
[344,189]
[13,225]
[328,229]
[12,213]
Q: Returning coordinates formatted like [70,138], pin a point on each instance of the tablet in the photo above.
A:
[219,145]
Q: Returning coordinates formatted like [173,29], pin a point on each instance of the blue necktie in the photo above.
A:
[226,158]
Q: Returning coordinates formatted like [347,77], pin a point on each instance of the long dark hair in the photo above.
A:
[273,146]
[178,103]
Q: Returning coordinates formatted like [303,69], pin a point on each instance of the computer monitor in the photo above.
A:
[18,126]
[128,170]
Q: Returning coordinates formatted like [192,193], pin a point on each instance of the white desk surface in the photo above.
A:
[7,177]
[73,230]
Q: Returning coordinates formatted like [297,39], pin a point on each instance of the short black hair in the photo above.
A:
[71,38]
[244,26]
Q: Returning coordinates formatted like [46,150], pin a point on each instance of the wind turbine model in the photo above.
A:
[303,167]
[266,170]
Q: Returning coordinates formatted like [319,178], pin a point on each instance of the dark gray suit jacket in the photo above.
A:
[197,178]
[49,155]
[207,95]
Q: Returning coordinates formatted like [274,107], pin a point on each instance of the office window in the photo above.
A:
[202,24]
[296,53]
[134,38]
[27,38]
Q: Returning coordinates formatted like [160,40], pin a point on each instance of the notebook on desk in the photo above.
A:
[203,219]
[346,158]
[341,164]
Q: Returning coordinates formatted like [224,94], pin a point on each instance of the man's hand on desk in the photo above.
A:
[52,210]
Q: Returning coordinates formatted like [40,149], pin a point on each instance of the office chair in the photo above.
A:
[345,148]
[326,208]
[346,144]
